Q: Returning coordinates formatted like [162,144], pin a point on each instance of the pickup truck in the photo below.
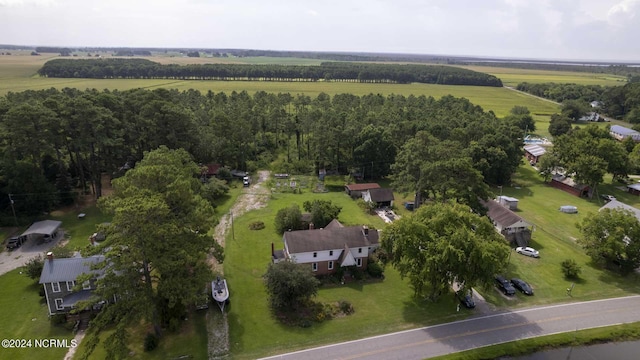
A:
[15,242]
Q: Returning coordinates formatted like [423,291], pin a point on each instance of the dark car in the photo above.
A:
[505,285]
[522,286]
[15,242]
[466,299]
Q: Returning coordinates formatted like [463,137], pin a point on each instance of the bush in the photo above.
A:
[366,206]
[59,319]
[150,342]
[256,225]
[571,269]
[375,269]
[33,267]
[346,307]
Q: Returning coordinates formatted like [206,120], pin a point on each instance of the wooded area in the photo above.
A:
[58,142]
[329,71]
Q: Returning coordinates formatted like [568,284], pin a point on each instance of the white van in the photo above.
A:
[245,181]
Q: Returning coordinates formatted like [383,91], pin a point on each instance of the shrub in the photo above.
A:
[346,307]
[570,268]
[33,267]
[375,269]
[366,206]
[256,225]
[150,342]
[59,319]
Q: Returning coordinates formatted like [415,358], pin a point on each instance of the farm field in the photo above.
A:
[512,76]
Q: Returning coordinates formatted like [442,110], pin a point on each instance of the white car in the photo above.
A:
[528,251]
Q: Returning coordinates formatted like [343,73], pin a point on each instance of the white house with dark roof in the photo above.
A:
[59,278]
[325,250]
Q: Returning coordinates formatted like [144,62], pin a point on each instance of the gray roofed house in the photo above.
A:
[507,223]
[621,133]
[59,279]
[335,245]
[381,197]
[617,205]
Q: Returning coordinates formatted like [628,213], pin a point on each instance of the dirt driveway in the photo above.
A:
[252,197]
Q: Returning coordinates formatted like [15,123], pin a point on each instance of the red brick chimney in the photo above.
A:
[50,256]
[311,226]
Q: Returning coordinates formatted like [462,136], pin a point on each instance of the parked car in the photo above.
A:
[505,285]
[466,299]
[606,197]
[528,251]
[15,242]
[522,286]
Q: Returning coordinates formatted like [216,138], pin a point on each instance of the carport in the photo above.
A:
[48,229]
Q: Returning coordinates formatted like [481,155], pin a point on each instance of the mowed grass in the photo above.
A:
[24,315]
[380,306]
[555,237]
[512,76]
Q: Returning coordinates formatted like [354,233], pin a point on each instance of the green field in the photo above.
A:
[512,77]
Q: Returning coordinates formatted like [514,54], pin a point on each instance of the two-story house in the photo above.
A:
[59,278]
[327,249]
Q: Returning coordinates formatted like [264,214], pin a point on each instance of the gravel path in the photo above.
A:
[10,260]
[252,197]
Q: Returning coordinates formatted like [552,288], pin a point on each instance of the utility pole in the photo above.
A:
[13,209]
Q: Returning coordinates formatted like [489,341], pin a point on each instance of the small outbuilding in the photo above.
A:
[381,197]
[510,203]
[45,230]
[514,228]
[634,189]
[533,153]
[567,184]
[356,190]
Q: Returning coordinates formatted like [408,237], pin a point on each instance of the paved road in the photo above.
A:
[480,331]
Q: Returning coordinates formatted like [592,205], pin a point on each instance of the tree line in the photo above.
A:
[329,71]
[57,143]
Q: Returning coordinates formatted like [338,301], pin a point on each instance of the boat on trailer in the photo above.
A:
[220,292]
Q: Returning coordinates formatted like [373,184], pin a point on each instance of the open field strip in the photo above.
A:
[512,76]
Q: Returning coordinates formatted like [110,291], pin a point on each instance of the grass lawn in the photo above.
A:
[554,237]
[77,231]
[190,341]
[24,315]
[255,332]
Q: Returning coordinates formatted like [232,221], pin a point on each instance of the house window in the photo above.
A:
[330,252]
[359,262]
[59,304]
[86,285]
[315,254]
[70,285]
[330,265]
[314,266]
[359,250]
[55,287]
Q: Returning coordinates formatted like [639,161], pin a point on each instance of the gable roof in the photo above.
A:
[67,269]
[334,238]
[501,215]
[617,205]
[535,150]
[45,227]
[346,258]
[334,224]
[362,187]
[381,195]
[623,130]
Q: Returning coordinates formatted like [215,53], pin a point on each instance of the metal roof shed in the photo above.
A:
[48,228]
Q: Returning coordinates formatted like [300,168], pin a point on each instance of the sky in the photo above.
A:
[605,30]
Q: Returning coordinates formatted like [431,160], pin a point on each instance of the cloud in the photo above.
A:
[27,2]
